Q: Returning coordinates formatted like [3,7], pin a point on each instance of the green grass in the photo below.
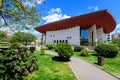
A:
[49,69]
[111,65]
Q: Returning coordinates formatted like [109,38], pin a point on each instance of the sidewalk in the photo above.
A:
[86,71]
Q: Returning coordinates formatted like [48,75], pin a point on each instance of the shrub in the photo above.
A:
[117,42]
[107,50]
[78,48]
[42,51]
[84,52]
[49,46]
[16,63]
[64,50]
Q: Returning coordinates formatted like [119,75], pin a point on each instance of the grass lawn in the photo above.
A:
[49,69]
[111,65]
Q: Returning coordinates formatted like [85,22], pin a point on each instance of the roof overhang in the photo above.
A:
[101,18]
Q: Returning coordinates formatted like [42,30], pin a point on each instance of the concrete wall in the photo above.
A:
[72,35]
[101,36]
[98,35]
[94,36]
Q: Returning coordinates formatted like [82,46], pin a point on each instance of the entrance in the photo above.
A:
[84,37]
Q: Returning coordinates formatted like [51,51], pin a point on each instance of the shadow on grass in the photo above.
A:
[96,63]
[94,54]
[57,58]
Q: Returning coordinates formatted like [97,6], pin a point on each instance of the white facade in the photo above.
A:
[70,35]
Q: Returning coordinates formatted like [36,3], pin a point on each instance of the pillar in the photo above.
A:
[92,33]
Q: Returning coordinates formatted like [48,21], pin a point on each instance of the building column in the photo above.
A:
[92,35]
[43,39]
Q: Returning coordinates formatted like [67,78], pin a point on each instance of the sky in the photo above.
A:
[53,10]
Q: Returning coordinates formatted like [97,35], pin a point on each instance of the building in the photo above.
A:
[97,24]
[109,37]
[116,36]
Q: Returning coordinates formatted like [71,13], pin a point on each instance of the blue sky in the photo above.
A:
[60,9]
[54,10]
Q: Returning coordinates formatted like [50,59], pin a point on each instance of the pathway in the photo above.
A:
[86,71]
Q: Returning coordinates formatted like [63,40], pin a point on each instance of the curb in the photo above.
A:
[106,71]
[73,71]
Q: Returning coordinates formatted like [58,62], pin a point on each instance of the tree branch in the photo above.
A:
[4,19]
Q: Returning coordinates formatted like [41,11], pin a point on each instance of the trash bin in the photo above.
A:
[100,60]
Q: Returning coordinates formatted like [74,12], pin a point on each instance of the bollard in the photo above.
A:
[100,60]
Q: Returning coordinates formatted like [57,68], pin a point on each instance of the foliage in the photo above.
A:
[49,46]
[107,50]
[117,42]
[42,51]
[3,36]
[16,63]
[23,38]
[64,50]
[78,48]
[84,52]
[18,14]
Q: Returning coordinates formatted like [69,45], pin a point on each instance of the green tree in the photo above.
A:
[23,38]
[3,36]
[14,12]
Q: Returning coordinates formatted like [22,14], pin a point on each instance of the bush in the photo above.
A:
[78,48]
[107,50]
[117,42]
[84,52]
[64,50]
[16,63]
[49,46]
[42,51]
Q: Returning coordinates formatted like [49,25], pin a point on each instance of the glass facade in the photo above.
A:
[84,37]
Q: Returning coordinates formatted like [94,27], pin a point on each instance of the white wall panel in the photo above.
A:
[74,33]
[101,36]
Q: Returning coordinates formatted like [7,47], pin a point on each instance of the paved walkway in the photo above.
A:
[86,71]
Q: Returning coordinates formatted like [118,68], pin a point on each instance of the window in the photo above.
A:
[84,37]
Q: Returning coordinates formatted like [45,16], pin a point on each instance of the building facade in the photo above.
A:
[116,36]
[70,30]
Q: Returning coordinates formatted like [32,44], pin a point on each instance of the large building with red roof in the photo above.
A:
[68,30]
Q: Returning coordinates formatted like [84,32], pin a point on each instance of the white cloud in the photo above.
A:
[34,2]
[55,14]
[118,25]
[30,4]
[96,8]
[53,10]
[40,1]
[93,8]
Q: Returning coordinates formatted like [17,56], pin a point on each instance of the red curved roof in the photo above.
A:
[101,18]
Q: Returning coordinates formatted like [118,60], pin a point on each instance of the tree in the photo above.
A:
[23,38]
[18,14]
[3,36]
